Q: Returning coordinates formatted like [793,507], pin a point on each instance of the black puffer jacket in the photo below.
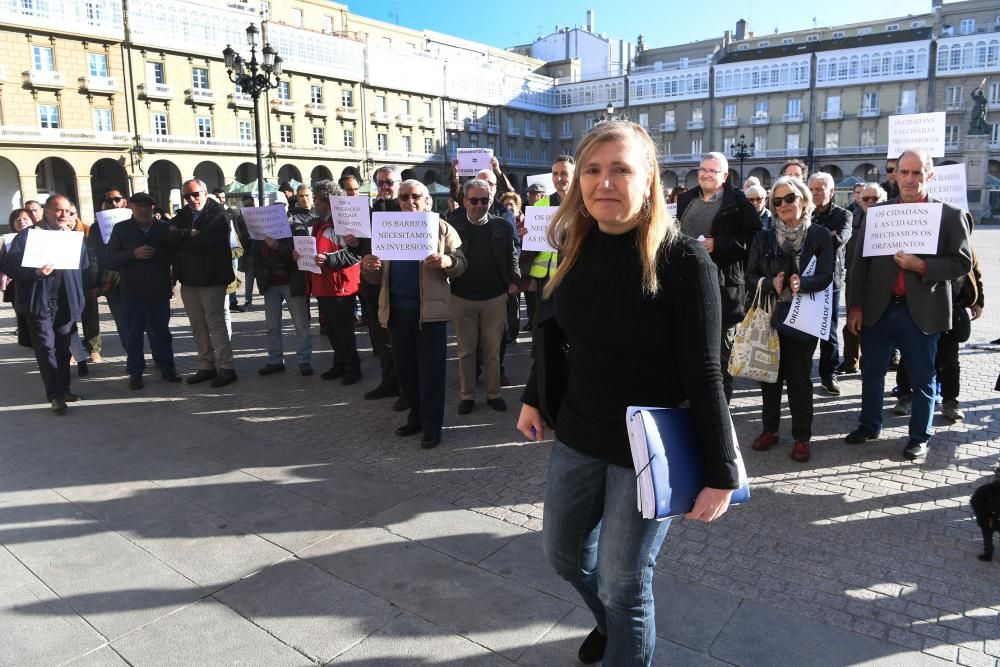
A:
[205,259]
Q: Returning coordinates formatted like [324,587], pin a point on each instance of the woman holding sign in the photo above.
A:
[639,306]
[780,255]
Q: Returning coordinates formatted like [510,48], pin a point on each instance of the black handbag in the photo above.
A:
[961,324]
[551,368]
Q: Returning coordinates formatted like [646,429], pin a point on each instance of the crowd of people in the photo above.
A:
[643,305]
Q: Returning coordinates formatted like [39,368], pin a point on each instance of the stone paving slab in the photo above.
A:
[102,657]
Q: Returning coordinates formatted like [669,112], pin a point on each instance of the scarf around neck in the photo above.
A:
[790,238]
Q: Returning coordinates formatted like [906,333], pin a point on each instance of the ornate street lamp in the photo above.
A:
[254,78]
[741,151]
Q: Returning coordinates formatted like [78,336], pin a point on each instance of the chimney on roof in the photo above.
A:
[741,29]
[590,20]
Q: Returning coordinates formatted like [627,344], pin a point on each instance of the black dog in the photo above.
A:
[986,505]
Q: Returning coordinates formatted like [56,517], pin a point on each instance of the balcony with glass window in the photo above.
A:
[406,120]
[993,105]
[473,126]
[316,109]
[954,106]
[156,91]
[99,84]
[38,135]
[544,134]
[668,126]
[952,145]
[566,133]
[492,128]
[792,117]
[196,143]
[530,132]
[729,121]
[831,114]
[44,78]
[99,18]
[454,124]
[697,124]
[240,100]
[201,96]
[760,119]
[347,113]
[908,108]
[513,131]
[869,112]
[283,106]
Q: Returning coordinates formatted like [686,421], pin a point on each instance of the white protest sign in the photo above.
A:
[8,239]
[811,312]
[672,210]
[916,130]
[947,183]
[544,179]
[912,228]
[536,221]
[45,246]
[266,221]
[473,160]
[305,246]
[404,236]
[108,219]
[350,216]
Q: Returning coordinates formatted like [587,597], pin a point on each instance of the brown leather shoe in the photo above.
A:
[800,451]
[765,441]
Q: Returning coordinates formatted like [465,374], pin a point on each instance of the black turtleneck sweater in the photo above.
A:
[627,347]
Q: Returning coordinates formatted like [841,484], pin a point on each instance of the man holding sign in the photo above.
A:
[905,300]
[51,301]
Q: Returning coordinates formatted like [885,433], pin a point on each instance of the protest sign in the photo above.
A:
[912,228]
[811,312]
[305,246]
[45,246]
[106,220]
[672,210]
[916,130]
[8,239]
[473,160]
[351,216]
[266,222]
[544,179]
[947,183]
[404,236]
[536,221]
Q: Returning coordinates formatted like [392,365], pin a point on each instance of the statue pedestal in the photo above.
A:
[975,151]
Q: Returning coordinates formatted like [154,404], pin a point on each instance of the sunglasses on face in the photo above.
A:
[890,170]
[478,201]
[790,198]
[385,184]
[870,199]
[406,196]
[755,200]
[193,195]
[113,200]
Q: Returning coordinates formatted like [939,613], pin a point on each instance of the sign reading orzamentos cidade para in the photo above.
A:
[912,228]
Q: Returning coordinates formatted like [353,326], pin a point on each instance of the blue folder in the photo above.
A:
[667,457]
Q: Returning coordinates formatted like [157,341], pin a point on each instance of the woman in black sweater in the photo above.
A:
[639,307]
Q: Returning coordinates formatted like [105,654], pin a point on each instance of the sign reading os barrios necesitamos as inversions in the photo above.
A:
[948,183]
[911,228]
[404,236]
[537,220]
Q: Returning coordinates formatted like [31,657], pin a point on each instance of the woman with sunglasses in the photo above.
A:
[779,256]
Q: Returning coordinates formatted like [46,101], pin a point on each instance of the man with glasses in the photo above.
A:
[720,216]
[51,301]
[103,280]
[203,265]
[838,221]
[890,186]
[479,296]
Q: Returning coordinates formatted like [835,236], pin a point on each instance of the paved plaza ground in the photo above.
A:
[279,521]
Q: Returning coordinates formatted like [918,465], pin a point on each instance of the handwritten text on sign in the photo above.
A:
[266,222]
[473,160]
[536,221]
[58,248]
[305,247]
[404,236]
[350,216]
[106,220]
[947,183]
[912,228]
[916,130]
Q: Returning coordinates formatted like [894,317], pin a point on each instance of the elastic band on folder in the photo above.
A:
[644,467]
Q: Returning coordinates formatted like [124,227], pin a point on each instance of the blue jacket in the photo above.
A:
[32,296]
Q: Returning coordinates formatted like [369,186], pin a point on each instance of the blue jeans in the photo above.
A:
[273,299]
[896,329]
[609,564]
[152,317]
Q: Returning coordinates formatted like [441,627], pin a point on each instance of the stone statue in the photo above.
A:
[977,124]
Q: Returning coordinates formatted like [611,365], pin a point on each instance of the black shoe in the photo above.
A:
[305,370]
[847,369]
[400,404]
[592,649]
[236,308]
[379,392]
[497,404]
[915,450]
[466,406]
[831,385]
[859,436]
[271,369]
[430,441]
[351,377]
[71,397]
[170,376]
[82,370]
[334,373]
[135,382]
[203,375]
[225,376]
[58,406]
[408,429]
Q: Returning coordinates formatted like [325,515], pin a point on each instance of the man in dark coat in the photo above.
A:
[203,264]
[724,221]
[51,301]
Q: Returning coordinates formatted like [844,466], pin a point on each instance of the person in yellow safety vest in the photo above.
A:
[543,264]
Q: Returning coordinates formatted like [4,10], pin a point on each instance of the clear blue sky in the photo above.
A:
[662,23]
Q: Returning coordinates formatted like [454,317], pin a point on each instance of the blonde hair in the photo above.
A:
[572,224]
[798,187]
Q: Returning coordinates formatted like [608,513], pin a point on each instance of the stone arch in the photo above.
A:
[320,173]
[10,189]
[691,180]
[763,175]
[669,178]
[289,172]
[211,174]
[734,178]
[833,170]
[866,171]
[107,174]
[408,174]
[430,176]
[55,175]
[165,184]
[246,173]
